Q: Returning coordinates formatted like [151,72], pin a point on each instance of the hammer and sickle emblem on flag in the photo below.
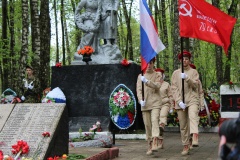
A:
[184,7]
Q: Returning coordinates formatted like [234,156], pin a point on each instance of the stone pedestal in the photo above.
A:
[87,89]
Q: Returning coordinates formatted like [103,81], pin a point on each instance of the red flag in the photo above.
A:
[199,19]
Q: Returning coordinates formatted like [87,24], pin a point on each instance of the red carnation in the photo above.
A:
[125,62]
[21,146]
[46,134]
[59,64]
[1,155]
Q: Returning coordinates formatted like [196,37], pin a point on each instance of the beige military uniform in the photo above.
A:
[167,102]
[151,109]
[188,118]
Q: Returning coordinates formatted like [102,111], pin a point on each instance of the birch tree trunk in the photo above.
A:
[56,30]
[35,30]
[24,49]
[63,34]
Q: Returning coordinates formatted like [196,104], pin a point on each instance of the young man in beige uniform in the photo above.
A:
[166,105]
[150,105]
[188,108]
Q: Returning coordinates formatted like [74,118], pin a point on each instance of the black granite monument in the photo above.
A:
[87,89]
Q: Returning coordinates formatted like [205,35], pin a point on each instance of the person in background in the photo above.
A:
[166,105]
[187,108]
[150,105]
[30,87]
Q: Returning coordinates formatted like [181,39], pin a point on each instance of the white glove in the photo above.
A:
[183,76]
[142,103]
[144,80]
[25,83]
[30,86]
[171,111]
[23,98]
[182,105]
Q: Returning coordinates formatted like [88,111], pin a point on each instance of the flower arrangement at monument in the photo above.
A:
[54,96]
[125,62]
[96,127]
[232,85]
[86,52]
[21,147]
[1,155]
[59,65]
[122,107]
[210,116]
[9,96]
[203,122]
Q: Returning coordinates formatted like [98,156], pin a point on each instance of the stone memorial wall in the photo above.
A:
[28,121]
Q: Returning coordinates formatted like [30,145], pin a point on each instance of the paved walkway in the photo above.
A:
[136,149]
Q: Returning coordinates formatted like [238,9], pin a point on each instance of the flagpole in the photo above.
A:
[142,88]
[182,69]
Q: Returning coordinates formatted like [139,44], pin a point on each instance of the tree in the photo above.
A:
[35,32]
[45,30]
[63,34]
[13,62]
[56,30]
[129,48]
[5,56]
[232,10]
[24,49]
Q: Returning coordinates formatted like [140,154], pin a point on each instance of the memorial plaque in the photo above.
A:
[230,101]
[27,122]
[5,110]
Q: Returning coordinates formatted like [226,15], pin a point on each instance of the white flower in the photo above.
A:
[98,123]
[116,117]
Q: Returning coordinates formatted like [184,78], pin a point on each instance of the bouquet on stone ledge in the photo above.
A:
[20,148]
[125,62]
[96,127]
[86,50]
[54,96]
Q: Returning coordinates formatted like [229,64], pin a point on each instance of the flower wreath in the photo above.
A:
[122,107]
